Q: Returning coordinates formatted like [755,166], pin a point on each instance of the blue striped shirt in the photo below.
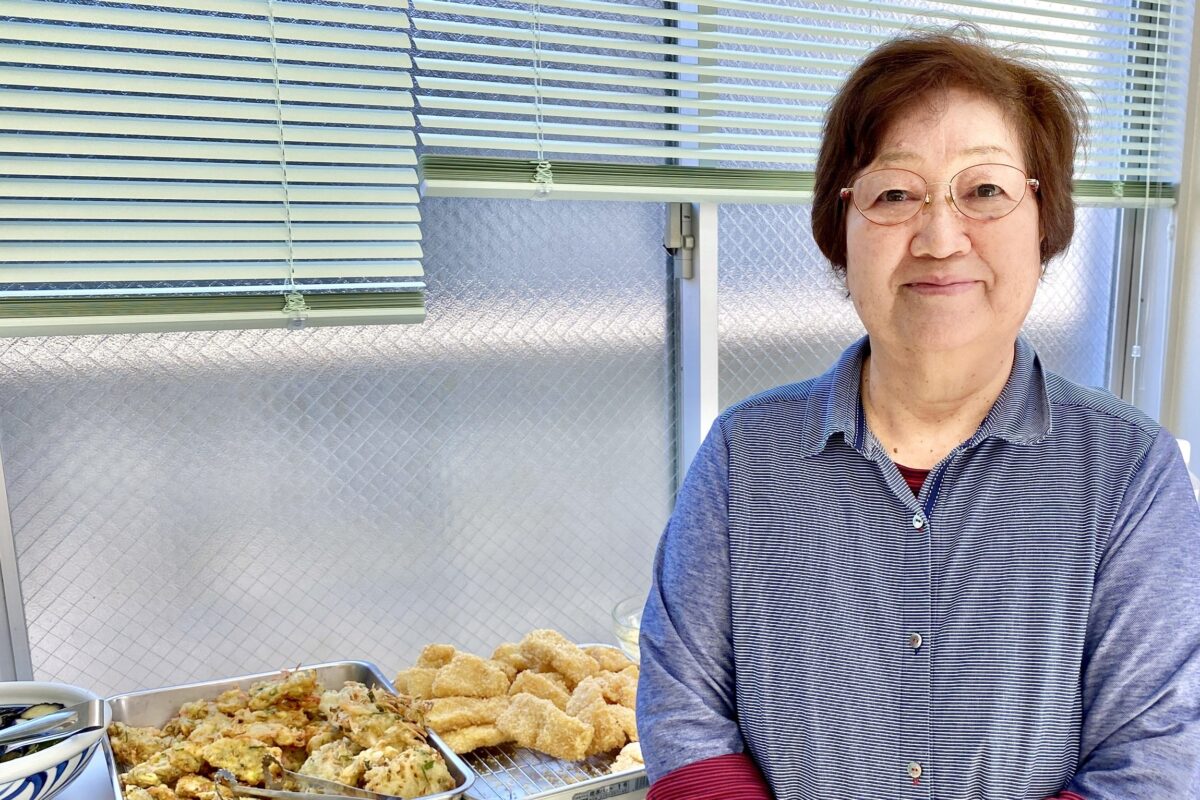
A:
[1028,623]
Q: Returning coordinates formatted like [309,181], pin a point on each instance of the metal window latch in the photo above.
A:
[679,240]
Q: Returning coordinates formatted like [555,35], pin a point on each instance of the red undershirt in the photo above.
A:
[736,776]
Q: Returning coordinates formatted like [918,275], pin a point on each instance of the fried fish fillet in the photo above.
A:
[610,659]
[472,737]
[539,685]
[629,758]
[470,676]
[451,713]
[536,723]
[510,653]
[436,656]
[607,731]
[550,650]
[416,682]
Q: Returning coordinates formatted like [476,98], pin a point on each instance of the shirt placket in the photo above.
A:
[914,642]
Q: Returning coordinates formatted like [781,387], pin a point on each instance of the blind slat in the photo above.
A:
[155,157]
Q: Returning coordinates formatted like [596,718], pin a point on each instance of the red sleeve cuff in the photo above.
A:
[729,777]
[1065,795]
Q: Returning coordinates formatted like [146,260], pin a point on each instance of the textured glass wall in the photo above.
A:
[785,317]
[194,505]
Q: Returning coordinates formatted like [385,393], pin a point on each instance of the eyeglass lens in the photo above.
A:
[983,192]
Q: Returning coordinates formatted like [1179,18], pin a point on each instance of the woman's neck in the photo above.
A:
[922,405]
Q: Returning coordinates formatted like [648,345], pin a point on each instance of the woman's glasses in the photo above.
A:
[983,192]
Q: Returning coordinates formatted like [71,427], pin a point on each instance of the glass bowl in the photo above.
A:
[627,622]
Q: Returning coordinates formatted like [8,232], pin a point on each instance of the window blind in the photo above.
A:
[206,164]
[725,100]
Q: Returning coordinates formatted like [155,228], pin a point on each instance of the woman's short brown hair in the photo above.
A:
[1047,114]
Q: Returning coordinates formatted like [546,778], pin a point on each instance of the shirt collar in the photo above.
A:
[1021,414]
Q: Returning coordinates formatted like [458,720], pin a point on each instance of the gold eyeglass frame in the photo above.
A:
[848,192]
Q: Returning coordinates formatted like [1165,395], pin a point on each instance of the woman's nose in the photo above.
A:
[942,229]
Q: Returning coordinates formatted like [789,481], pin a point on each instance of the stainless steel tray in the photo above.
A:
[516,773]
[156,706]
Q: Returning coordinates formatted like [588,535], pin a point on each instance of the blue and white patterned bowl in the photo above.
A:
[41,775]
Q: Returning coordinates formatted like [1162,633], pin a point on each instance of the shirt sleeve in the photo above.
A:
[686,703]
[1141,666]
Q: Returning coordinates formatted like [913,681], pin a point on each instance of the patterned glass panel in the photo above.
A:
[197,505]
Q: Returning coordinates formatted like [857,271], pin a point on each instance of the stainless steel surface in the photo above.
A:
[199,504]
[157,706]
[514,773]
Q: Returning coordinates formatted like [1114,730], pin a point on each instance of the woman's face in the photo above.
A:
[942,281]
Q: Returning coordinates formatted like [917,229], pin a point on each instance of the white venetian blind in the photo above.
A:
[726,99]
[206,164]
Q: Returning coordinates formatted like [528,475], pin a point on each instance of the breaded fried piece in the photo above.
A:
[618,687]
[610,659]
[451,713]
[589,692]
[242,757]
[415,772]
[416,682]
[135,745]
[436,656]
[470,676]
[166,767]
[628,720]
[538,685]
[550,649]
[137,793]
[607,731]
[539,724]
[464,740]
[510,653]
[629,758]
[162,793]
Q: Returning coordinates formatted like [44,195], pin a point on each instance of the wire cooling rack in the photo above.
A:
[516,773]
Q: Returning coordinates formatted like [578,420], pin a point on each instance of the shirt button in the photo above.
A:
[914,770]
[918,520]
[914,640]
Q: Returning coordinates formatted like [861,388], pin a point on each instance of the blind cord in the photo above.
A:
[293,302]
[543,175]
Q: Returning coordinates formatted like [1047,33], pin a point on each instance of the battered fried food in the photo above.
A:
[166,767]
[408,773]
[533,722]
[470,676]
[197,787]
[629,758]
[335,761]
[548,649]
[243,757]
[472,737]
[135,745]
[451,713]
[293,720]
[540,685]
[298,689]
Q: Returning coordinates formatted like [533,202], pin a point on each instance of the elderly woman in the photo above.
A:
[938,570]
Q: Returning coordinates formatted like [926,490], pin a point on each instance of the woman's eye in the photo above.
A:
[987,190]
[894,196]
